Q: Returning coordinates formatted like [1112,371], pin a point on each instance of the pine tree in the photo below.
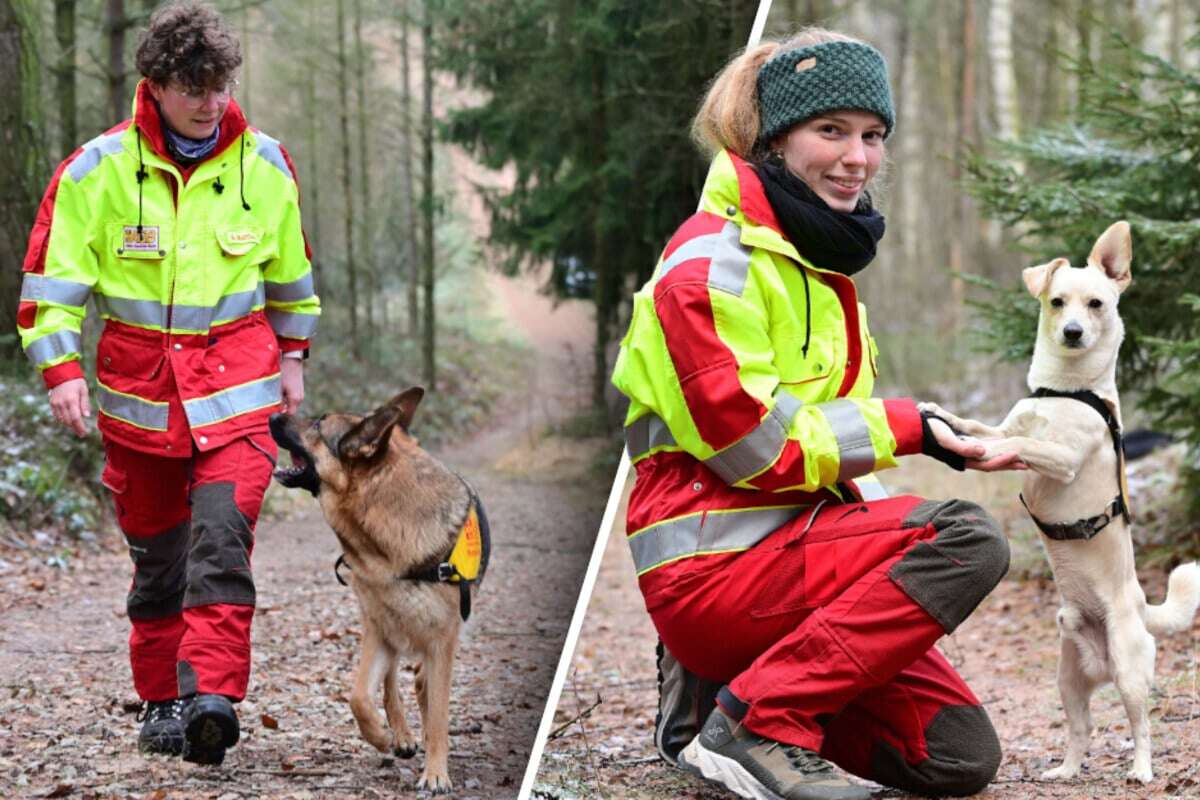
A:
[1133,152]
[591,103]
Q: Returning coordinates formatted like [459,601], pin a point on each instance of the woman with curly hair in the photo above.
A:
[797,604]
[182,224]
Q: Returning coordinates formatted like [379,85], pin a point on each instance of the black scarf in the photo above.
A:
[835,240]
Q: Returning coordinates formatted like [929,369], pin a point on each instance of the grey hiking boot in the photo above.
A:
[751,766]
[684,702]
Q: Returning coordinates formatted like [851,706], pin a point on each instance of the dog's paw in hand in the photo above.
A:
[1063,773]
[434,782]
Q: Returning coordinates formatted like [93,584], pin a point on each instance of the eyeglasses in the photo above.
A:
[195,94]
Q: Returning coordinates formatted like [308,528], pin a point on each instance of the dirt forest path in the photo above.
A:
[67,709]
[1007,651]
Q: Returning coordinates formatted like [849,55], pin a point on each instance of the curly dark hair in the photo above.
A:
[189,42]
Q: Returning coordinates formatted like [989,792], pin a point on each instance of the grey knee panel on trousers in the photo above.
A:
[684,702]
[160,564]
[951,573]
[218,569]
[964,755]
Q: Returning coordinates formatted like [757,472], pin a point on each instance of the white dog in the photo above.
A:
[1075,492]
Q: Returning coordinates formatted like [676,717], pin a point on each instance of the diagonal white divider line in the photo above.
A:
[606,524]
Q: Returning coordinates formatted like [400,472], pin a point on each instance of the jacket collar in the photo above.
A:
[148,120]
[733,190]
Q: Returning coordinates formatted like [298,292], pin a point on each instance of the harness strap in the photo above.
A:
[441,571]
[1081,528]
[1093,401]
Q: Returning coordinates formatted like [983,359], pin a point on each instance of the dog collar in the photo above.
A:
[1087,528]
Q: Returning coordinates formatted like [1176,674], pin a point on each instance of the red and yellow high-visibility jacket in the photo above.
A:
[202,275]
[749,372]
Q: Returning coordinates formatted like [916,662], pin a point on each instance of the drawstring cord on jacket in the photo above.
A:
[242,173]
[807,314]
[141,176]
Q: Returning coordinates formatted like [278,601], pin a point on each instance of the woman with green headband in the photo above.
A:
[798,605]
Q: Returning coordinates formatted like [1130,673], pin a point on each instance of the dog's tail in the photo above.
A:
[1183,596]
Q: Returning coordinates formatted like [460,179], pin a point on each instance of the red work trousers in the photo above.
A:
[189,523]
[823,634]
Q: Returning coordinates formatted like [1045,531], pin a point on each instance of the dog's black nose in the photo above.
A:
[1072,332]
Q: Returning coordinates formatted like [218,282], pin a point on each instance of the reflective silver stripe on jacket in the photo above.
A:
[183,317]
[140,413]
[272,151]
[856,451]
[759,448]
[52,346]
[706,532]
[646,433]
[293,326]
[730,260]
[94,152]
[870,488]
[231,402]
[54,290]
[299,289]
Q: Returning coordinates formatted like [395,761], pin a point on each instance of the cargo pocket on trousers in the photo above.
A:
[785,585]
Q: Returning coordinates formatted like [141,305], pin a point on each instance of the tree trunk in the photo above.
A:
[247,53]
[960,243]
[64,76]
[604,293]
[312,185]
[408,223]
[367,230]
[21,169]
[427,209]
[1004,80]
[347,188]
[115,25]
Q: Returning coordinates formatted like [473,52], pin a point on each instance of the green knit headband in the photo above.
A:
[843,76]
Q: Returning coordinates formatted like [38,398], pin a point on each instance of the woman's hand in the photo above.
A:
[69,403]
[291,382]
[971,449]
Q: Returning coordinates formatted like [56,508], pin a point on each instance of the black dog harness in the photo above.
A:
[464,563]
[1087,528]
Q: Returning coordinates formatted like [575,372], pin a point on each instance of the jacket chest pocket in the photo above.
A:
[811,367]
[242,243]
[128,245]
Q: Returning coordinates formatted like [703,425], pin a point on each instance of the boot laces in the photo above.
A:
[159,710]
[805,761]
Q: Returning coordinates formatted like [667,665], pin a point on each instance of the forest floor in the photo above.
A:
[67,707]
[1007,651]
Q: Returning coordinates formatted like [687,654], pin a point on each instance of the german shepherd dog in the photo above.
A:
[404,521]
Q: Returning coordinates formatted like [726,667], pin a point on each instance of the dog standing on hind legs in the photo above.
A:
[415,538]
[1075,492]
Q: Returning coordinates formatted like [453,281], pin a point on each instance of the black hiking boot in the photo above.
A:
[210,725]
[162,727]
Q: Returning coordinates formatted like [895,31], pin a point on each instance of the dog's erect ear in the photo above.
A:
[1037,279]
[1113,253]
[406,403]
[365,439]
